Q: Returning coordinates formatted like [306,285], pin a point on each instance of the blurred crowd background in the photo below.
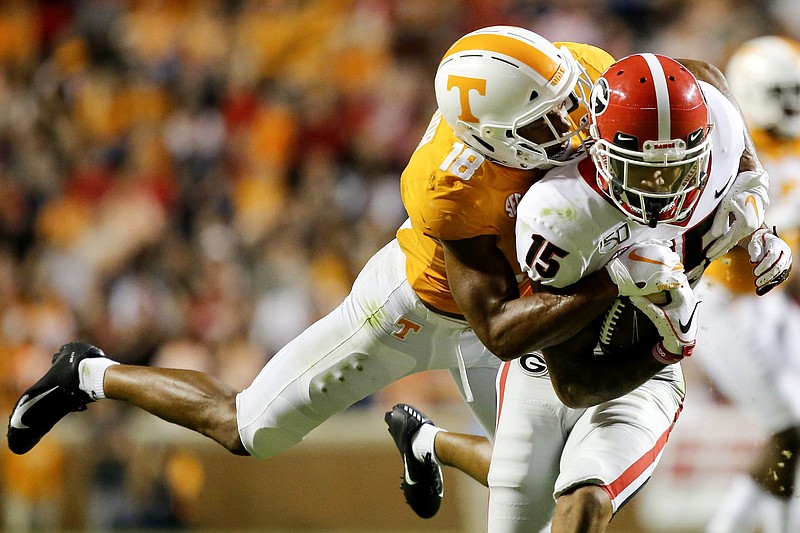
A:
[191,183]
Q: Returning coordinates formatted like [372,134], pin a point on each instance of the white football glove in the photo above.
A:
[772,258]
[740,212]
[646,268]
[676,321]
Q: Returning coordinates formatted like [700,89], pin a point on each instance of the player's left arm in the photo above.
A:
[487,292]
[583,379]
[739,219]
[743,208]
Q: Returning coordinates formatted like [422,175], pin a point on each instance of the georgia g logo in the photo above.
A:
[533,364]
[598,101]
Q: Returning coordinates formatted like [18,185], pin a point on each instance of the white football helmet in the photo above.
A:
[764,76]
[495,81]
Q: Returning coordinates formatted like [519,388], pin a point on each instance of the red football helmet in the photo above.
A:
[652,138]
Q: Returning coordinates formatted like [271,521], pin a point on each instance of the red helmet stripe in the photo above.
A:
[662,96]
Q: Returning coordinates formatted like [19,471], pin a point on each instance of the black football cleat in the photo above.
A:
[422,480]
[51,398]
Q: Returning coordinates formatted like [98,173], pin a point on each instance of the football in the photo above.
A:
[624,327]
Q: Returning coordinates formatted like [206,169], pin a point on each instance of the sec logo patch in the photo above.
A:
[512,202]
[533,364]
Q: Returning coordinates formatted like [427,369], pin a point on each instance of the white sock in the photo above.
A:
[422,442]
[794,512]
[775,514]
[738,512]
[91,372]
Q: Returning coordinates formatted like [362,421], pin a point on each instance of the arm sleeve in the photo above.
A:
[454,213]
[546,251]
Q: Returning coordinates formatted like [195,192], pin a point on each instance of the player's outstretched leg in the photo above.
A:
[422,479]
[51,398]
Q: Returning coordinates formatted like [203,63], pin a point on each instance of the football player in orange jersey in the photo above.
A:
[750,347]
[444,294]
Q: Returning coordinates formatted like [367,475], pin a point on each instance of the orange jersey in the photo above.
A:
[452,192]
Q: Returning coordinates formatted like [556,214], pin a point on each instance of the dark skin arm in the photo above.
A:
[710,74]
[486,290]
[559,323]
[582,379]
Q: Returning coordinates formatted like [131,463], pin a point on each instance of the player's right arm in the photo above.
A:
[487,292]
[558,322]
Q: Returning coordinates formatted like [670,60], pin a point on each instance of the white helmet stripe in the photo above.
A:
[662,96]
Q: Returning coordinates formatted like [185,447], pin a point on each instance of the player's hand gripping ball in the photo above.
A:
[624,327]
[646,268]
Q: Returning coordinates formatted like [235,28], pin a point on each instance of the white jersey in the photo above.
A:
[568,228]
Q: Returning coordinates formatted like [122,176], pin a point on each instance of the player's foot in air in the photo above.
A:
[50,399]
[422,480]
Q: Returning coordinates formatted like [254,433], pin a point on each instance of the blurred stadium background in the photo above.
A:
[191,183]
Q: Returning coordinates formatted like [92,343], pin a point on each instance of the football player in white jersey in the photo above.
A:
[750,345]
[666,150]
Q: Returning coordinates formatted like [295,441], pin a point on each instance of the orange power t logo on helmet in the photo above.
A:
[465,85]
[544,65]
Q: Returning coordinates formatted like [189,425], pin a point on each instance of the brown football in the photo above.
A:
[624,327]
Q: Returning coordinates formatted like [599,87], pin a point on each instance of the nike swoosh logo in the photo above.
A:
[409,481]
[636,257]
[19,412]
[720,192]
[685,327]
[751,200]
[693,136]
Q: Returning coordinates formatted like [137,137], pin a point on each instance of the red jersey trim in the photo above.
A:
[616,487]
[504,368]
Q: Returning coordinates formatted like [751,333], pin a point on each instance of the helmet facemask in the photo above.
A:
[785,98]
[651,138]
[661,183]
[539,140]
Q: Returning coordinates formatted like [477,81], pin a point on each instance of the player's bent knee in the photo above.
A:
[585,504]
[269,442]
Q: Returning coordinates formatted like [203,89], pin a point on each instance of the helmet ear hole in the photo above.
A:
[483,143]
